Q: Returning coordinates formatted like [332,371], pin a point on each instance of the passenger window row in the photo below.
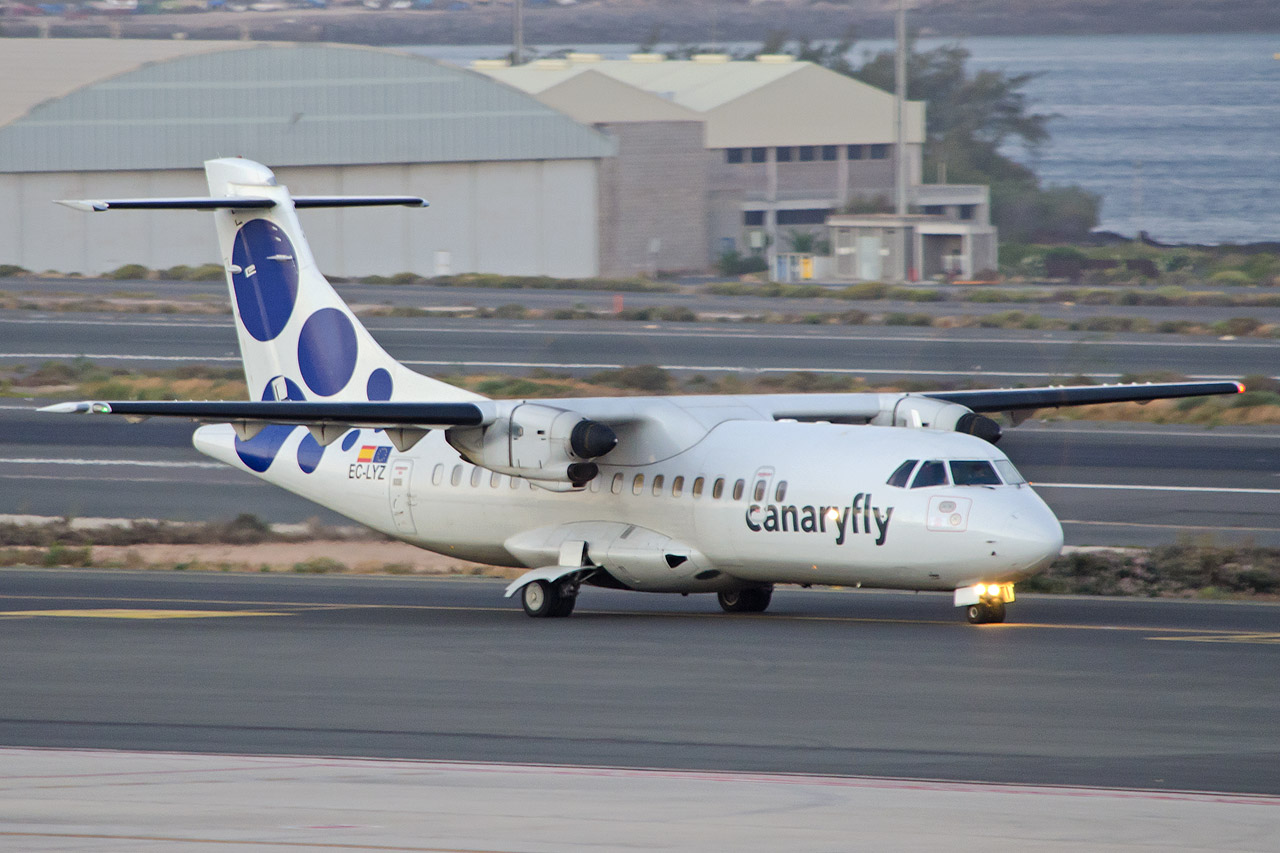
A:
[617,482]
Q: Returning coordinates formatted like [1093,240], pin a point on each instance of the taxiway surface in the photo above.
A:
[879,354]
[1139,694]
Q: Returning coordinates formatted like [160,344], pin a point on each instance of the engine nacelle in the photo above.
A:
[920,412]
[553,447]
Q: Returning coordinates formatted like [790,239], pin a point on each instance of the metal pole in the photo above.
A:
[517,32]
[900,142]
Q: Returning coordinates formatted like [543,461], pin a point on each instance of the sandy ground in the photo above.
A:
[355,556]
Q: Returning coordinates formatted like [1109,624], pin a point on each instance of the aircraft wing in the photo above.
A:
[1015,399]
[865,407]
[377,415]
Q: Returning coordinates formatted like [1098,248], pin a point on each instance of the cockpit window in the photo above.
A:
[900,477]
[1009,473]
[974,472]
[931,473]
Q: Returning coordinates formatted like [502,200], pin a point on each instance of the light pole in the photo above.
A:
[517,32]
[901,175]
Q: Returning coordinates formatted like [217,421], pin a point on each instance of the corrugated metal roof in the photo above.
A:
[743,103]
[36,70]
[593,98]
[298,105]
[698,86]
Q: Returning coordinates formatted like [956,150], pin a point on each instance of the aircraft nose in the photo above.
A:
[1034,537]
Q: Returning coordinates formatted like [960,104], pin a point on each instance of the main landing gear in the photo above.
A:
[753,599]
[985,612]
[543,599]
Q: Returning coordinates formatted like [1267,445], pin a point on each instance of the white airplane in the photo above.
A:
[723,494]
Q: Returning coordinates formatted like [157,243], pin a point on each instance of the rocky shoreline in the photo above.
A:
[668,21]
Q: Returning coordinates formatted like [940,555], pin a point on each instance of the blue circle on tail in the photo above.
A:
[309,453]
[260,451]
[327,351]
[266,285]
[292,391]
[379,385]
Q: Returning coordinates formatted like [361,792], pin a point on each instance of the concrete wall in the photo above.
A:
[655,189]
[517,217]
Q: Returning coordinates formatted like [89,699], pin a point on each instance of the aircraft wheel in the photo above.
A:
[749,600]
[985,613]
[540,599]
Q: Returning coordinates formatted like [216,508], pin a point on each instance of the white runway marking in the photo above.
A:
[710,368]
[140,463]
[1143,526]
[561,365]
[701,331]
[1269,436]
[108,356]
[1122,487]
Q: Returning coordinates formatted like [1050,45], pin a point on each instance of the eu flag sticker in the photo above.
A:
[381,455]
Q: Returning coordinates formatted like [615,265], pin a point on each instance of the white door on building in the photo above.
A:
[870,261]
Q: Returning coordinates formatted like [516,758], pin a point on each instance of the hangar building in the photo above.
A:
[789,146]
[514,185]
[571,167]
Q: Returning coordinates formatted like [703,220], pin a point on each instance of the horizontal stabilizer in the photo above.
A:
[305,201]
[245,203]
[1012,399]
[99,205]
[375,415]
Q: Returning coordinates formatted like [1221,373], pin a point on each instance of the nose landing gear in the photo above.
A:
[985,612]
[984,603]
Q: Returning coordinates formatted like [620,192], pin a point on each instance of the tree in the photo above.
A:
[970,119]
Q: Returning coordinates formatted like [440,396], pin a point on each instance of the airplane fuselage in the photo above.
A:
[756,501]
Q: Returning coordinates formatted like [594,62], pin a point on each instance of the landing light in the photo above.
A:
[833,514]
[993,589]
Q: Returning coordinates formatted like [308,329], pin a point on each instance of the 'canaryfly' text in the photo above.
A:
[844,521]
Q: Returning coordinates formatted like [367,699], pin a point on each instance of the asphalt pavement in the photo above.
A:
[1164,695]
[876,353]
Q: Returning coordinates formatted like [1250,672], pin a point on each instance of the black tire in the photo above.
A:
[564,606]
[997,612]
[540,599]
[750,600]
[985,613]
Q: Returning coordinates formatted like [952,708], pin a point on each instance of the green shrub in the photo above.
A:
[1237,326]
[865,290]
[900,318]
[61,555]
[642,377]
[10,270]
[1231,277]
[129,271]
[319,566]
[735,263]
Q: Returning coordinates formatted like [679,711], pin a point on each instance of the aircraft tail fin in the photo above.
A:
[298,339]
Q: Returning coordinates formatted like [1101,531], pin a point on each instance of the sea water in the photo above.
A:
[1179,134]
